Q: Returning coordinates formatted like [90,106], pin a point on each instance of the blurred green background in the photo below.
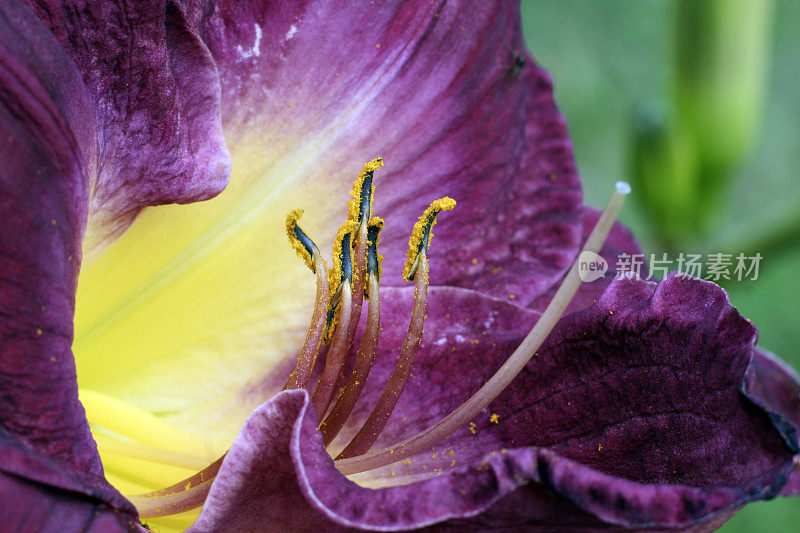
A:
[611,60]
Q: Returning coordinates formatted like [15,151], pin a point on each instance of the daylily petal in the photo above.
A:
[297,487]
[636,399]
[156,94]
[438,99]
[29,506]
[47,145]
[775,386]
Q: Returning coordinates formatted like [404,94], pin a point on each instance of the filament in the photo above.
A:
[366,356]
[377,419]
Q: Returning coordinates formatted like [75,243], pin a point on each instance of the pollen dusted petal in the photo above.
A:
[677,349]
[473,123]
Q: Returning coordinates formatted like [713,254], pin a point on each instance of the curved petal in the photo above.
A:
[47,145]
[775,386]
[308,97]
[156,95]
[636,400]
[28,506]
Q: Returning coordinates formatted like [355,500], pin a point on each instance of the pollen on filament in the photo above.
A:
[353,278]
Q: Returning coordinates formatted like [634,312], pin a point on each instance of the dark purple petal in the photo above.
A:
[47,146]
[156,98]
[31,507]
[775,386]
[630,416]
[434,90]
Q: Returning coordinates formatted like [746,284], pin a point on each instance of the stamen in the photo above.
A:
[369,342]
[339,319]
[422,233]
[301,242]
[305,247]
[507,372]
[418,247]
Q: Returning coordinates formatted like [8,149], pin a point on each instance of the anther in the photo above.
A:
[360,204]
[422,233]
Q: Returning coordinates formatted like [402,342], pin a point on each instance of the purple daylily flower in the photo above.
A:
[648,407]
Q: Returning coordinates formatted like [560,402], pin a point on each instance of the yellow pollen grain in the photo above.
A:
[611,312]
[472,428]
[53,222]
[38,331]
[599,447]
[53,359]
[453,463]
[474,261]
[494,419]
[512,296]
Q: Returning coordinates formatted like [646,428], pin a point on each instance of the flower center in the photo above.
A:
[353,276]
